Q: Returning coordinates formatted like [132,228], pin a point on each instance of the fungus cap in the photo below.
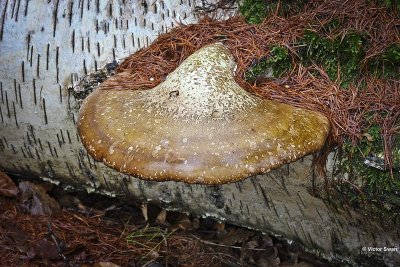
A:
[198,126]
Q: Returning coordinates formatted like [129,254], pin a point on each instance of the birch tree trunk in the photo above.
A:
[46,47]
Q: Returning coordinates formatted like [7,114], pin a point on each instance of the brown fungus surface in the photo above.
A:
[198,126]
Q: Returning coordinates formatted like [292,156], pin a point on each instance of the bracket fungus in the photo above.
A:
[198,126]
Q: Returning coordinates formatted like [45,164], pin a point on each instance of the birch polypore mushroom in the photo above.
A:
[198,126]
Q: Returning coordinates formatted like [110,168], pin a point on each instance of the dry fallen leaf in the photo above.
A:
[100,264]
[161,218]
[46,250]
[14,236]
[7,186]
[183,222]
[220,227]
[368,136]
[234,236]
[268,262]
[105,264]
[35,200]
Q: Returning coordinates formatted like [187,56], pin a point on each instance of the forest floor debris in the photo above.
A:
[93,230]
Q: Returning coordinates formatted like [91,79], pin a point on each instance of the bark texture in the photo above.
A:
[46,47]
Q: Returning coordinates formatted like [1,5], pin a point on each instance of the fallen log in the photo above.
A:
[47,48]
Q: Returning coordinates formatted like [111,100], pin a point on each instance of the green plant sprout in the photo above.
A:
[149,238]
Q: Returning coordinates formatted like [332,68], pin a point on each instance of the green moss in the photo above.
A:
[289,7]
[342,54]
[332,25]
[254,11]
[387,64]
[390,4]
[278,63]
[370,185]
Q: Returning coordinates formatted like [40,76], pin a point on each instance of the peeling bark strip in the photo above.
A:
[52,151]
